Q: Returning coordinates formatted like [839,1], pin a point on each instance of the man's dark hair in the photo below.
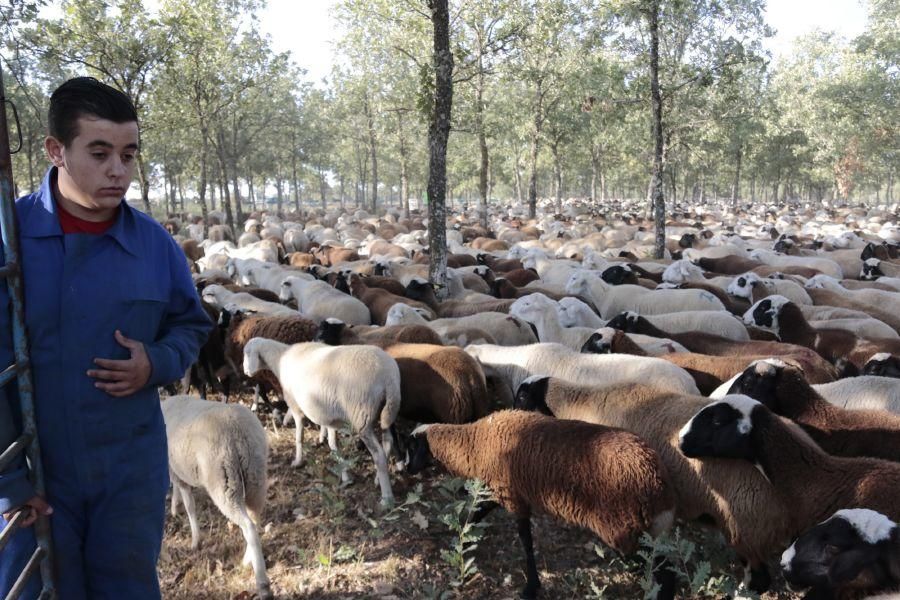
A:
[82,96]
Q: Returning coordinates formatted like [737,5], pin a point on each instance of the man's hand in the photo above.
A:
[35,507]
[123,377]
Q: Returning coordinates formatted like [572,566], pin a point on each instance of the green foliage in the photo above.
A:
[457,516]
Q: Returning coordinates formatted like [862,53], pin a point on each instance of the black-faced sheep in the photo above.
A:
[570,470]
[221,448]
[855,551]
[811,483]
[380,301]
[778,314]
[315,383]
[839,431]
[816,368]
[882,365]
[737,498]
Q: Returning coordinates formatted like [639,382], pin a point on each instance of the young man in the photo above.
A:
[111,313]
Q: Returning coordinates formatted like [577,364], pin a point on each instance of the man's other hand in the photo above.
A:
[123,377]
[34,507]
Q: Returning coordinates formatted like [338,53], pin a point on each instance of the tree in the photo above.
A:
[438,133]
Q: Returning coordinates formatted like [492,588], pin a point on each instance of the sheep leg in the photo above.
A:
[532,581]
[390,440]
[331,434]
[298,440]
[483,510]
[757,577]
[174,507]
[381,466]
[238,514]
[665,578]
[187,497]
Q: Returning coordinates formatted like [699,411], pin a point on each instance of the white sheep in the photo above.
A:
[742,287]
[221,448]
[333,385]
[505,329]
[575,313]
[316,300]
[515,364]
[218,297]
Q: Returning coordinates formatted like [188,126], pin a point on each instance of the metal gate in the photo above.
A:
[20,371]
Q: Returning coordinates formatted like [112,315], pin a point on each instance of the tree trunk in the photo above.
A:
[659,203]
[557,167]
[404,158]
[144,181]
[518,182]
[438,134]
[535,134]
[373,155]
[201,192]
[735,187]
[323,188]
[484,168]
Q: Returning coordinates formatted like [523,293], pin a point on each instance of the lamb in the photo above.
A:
[782,389]
[573,312]
[315,382]
[422,291]
[743,287]
[541,311]
[380,301]
[567,469]
[517,363]
[221,448]
[737,498]
[316,300]
[811,483]
[506,330]
[855,550]
[777,314]
[817,369]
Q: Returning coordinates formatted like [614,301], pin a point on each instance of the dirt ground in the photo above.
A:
[325,542]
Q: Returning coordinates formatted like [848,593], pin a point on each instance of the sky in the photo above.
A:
[306,29]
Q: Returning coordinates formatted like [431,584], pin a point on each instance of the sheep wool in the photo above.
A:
[606,480]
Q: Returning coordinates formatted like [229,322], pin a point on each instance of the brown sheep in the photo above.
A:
[566,469]
[380,301]
[336,333]
[301,259]
[489,245]
[330,256]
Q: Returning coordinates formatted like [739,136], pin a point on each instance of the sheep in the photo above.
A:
[737,498]
[221,448]
[335,332]
[439,384]
[782,389]
[316,300]
[778,314]
[612,300]
[567,469]
[743,287]
[823,265]
[330,256]
[516,363]
[888,300]
[315,383]
[812,483]
[855,550]
[422,291]
[863,392]
[237,327]
[573,312]
[817,369]
[873,269]
[865,327]
[833,299]
[541,311]
[505,330]
[218,297]
[380,301]
[883,365]
[715,322]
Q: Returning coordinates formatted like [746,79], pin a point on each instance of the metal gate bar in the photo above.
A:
[21,371]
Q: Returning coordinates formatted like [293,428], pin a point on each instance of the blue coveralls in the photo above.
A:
[105,458]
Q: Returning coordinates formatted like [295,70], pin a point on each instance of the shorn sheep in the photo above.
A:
[737,498]
[855,550]
[221,448]
[317,384]
[570,470]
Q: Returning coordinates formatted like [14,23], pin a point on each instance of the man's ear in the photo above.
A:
[56,151]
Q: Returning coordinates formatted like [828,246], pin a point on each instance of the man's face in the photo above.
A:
[96,169]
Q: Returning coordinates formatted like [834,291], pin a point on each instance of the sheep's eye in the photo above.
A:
[831,549]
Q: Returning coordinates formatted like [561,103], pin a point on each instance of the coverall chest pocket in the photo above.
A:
[142,317]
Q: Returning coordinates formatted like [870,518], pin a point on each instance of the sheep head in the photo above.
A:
[847,551]
[532,395]
[882,364]
[765,313]
[721,430]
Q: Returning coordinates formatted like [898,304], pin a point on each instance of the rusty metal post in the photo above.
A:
[43,555]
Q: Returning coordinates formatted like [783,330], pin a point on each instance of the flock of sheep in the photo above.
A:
[750,380]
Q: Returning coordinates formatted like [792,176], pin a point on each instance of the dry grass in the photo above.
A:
[320,543]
